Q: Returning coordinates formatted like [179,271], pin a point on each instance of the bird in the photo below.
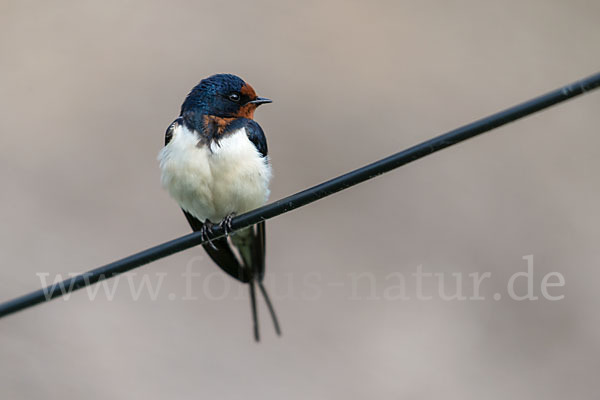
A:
[215,165]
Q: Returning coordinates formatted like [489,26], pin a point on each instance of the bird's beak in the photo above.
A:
[260,100]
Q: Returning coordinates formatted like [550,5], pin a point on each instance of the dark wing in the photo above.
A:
[171,129]
[259,250]
[257,136]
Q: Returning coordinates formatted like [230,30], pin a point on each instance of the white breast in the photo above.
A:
[229,177]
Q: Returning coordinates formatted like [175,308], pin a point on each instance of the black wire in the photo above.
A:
[307,196]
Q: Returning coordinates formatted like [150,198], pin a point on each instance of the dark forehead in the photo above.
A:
[222,83]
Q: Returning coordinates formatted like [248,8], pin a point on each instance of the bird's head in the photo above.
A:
[223,96]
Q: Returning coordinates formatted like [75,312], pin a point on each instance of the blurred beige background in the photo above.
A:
[87,90]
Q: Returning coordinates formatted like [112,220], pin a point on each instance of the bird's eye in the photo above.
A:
[234,97]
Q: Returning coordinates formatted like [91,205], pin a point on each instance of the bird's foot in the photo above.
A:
[225,224]
[206,232]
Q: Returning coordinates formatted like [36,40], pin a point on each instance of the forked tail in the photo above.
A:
[255,312]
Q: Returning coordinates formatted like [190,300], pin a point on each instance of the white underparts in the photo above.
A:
[209,183]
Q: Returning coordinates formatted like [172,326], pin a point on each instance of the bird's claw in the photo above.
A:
[225,224]
[206,232]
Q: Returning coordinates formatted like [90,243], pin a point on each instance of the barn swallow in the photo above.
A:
[215,165]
